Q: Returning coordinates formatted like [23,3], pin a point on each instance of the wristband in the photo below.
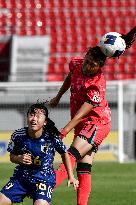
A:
[63,133]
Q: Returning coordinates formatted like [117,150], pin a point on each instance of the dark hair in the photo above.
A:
[129,38]
[95,53]
[50,126]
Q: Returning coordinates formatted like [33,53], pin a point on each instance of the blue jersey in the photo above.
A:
[42,150]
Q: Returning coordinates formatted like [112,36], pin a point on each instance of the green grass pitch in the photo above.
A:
[112,184]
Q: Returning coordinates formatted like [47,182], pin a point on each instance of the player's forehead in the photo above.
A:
[39,111]
[90,59]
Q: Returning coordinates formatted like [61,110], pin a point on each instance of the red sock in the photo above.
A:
[61,173]
[84,188]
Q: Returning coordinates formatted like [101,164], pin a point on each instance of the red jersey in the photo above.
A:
[88,89]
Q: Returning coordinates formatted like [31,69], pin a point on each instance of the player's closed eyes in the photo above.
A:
[37,115]
[92,64]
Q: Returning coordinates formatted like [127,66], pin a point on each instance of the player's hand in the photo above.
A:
[54,101]
[73,181]
[25,159]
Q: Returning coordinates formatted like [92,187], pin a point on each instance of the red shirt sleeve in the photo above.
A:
[93,95]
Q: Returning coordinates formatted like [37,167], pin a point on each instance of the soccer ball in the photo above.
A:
[112,45]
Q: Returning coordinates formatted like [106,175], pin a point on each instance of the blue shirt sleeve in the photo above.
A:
[60,147]
[12,144]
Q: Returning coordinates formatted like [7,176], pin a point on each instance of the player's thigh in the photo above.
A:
[4,200]
[14,190]
[42,195]
[88,158]
[41,202]
[81,145]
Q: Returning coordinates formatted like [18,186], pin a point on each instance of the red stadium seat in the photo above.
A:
[2,19]
[30,4]
[120,76]
[20,4]
[2,4]
[51,68]
[31,31]
[109,76]
[11,17]
[59,4]
[10,4]
[21,31]
[73,26]
[69,4]
[55,77]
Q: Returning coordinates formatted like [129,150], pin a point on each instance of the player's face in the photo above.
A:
[36,120]
[90,66]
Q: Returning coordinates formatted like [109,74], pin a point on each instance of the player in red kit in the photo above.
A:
[90,114]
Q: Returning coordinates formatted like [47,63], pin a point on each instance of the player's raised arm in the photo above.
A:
[82,112]
[129,37]
[65,86]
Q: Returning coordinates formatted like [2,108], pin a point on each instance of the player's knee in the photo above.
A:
[84,168]
[74,152]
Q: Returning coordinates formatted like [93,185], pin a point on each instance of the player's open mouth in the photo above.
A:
[33,123]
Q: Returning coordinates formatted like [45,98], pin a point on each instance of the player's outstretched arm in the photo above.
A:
[82,112]
[68,166]
[65,86]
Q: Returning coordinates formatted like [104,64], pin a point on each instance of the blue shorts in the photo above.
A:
[16,190]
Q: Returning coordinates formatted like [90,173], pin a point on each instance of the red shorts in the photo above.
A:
[94,134]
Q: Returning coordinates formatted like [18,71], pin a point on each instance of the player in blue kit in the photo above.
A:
[33,149]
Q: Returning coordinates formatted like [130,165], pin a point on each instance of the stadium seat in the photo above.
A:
[2,4]
[11,18]
[109,76]
[20,4]
[54,77]
[21,31]
[51,68]
[120,76]
[59,4]
[30,4]
[69,4]
[10,4]
[73,26]
[2,19]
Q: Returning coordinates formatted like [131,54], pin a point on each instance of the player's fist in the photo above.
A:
[25,159]
[54,101]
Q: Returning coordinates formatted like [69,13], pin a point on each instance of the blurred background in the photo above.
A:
[37,40]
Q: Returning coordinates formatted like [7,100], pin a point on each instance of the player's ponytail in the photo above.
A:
[51,128]
[129,38]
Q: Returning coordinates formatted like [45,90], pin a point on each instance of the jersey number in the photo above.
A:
[37,161]
[41,186]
